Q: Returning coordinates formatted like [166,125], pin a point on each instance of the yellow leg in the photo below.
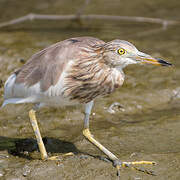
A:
[89,136]
[40,143]
[140,163]
[117,163]
[34,124]
[63,155]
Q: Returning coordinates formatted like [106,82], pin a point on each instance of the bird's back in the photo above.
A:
[43,73]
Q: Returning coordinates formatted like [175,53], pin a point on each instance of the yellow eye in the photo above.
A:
[121,51]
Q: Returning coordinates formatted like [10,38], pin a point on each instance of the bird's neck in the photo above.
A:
[121,73]
[110,78]
[118,76]
[120,70]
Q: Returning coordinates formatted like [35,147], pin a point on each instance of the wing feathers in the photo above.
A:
[47,65]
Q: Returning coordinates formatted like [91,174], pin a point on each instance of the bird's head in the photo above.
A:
[120,53]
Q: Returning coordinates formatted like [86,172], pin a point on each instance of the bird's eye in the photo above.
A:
[121,51]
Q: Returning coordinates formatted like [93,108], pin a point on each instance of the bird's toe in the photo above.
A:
[57,158]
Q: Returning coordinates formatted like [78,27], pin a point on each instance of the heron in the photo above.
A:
[74,71]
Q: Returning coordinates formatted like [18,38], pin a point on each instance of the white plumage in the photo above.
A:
[20,93]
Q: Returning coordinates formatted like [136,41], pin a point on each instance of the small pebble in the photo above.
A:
[26,153]
[115,107]
[26,170]
[176,94]
[137,178]
[1,173]
[133,154]
[3,156]
[22,61]
[60,164]
[83,156]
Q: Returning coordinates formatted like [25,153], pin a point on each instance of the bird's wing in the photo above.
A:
[47,65]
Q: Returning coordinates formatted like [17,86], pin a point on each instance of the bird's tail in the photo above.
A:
[8,87]
[12,101]
[8,90]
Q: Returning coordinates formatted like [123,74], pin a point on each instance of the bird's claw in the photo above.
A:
[54,158]
[57,158]
[118,164]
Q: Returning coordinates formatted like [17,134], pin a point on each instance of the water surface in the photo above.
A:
[147,129]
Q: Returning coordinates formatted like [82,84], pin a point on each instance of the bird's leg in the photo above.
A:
[36,130]
[116,162]
[44,155]
[88,135]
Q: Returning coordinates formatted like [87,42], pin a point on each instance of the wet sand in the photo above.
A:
[147,129]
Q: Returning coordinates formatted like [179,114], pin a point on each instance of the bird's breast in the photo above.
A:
[90,82]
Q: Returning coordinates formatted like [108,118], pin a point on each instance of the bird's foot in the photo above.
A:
[118,164]
[57,158]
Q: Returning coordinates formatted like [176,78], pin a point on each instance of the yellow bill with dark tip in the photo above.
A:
[163,63]
[154,61]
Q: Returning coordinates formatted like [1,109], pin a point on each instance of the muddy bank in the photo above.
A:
[146,129]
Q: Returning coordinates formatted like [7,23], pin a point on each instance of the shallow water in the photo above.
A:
[147,128]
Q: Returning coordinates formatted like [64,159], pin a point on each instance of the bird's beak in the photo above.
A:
[147,59]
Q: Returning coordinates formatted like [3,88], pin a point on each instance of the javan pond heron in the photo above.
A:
[74,71]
